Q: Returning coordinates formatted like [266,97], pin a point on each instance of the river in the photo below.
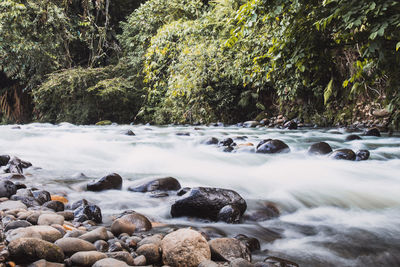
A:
[333,212]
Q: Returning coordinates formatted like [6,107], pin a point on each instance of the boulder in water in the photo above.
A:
[270,146]
[83,211]
[206,202]
[110,181]
[353,137]
[320,148]
[373,132]
[346,154]
[362,154]
[210,141]
[159,184]
[7,188]
[291,125]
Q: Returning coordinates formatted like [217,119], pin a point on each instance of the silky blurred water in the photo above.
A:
[333,213]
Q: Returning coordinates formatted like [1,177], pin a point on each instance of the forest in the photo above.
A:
[198,61]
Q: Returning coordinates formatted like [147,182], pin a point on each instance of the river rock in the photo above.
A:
[17,224]
[128,132]
[101,245]
[291,125]
[206,202]
[28,201]
[44,232]
[122,256]
[373,132]
[320,148]
[7,188]
[184,248]
[26,250]
[129,223]
[4,159]
[353,137]
[16,165]
[71,245]
[110,181]
[108,262]
[41,196]
[44,263]
[96,234]
[54,205]
[139,261]
[68,215]
[86,258]
[154,239]
[362,154]
[346,154]
[275,261]
[210,141]
[229,214]
[251,243]
[239,262]
[12,205]
[226,142]
[160,184]
[208,263]
[151,252]
[83,211]
[271,146]
[227,249]
[49,219]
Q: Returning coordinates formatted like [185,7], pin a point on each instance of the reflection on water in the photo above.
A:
[333,213]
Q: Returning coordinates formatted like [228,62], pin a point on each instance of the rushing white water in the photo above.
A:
[333,213]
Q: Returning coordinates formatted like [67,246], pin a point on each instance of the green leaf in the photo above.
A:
[328,91]
[398,46]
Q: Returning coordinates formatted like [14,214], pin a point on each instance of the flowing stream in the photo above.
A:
[333,212]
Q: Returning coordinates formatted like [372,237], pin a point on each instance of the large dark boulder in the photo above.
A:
[270,146]
[320,148]
[159,184]
[206,202]
[346,154]
[373,132]
[41,196]
[7,188]
[226,142]
[111,181]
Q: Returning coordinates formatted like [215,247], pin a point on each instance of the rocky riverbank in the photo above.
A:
[39,228]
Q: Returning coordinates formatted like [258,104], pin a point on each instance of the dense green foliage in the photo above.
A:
[200,61]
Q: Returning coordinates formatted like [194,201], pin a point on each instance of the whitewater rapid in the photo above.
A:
[333,212]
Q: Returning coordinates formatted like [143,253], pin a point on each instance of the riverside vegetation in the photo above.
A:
[182,61]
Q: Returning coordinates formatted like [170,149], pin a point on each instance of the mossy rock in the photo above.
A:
[105,122]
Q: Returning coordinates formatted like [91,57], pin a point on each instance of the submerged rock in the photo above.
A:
[362,154]
[110,181]
[226,142]
[346,154]
[275,261]
[206,202]
[353,137]
[270,146]
[159,184]
[128,132]
[320,148]
[210,141]
[184,248]
[4,159]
